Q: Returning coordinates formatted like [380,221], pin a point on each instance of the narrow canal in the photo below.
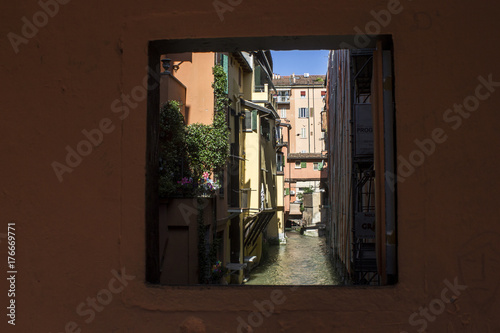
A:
[302,261]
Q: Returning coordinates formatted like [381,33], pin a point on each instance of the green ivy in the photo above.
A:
[308,190]
[220,137]
[172,155]
[207,253]
[208,145]
[203,260]
[189,151]
[219,85]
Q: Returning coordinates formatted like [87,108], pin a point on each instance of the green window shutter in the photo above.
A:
[225,66]
[254,120]
[247,125]
[287,191]
[303,164]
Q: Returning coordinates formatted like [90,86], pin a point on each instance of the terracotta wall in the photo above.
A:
[179,238]
[305,173]
[196,74]
[172,89]
[68,76]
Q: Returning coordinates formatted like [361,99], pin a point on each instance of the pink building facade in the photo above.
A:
[300,102]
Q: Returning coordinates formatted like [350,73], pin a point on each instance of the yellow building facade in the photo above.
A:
[249,203]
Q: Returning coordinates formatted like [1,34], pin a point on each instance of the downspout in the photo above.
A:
[308,123]
[314,124]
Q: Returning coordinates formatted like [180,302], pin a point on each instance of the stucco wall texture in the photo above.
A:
[74,237]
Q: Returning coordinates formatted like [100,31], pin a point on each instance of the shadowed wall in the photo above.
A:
[83,70]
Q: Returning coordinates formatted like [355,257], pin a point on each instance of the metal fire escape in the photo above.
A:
[363,174]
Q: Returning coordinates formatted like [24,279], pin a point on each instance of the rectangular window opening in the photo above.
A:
[242,206]
[303,113]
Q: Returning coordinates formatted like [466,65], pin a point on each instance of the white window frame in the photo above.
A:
[303,113]
[303,133]
[283,113]
[297,163]
[315,166]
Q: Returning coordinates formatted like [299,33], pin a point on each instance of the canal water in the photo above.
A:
[302,261]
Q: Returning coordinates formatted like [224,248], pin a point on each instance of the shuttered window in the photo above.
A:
[250,123]
[303,113]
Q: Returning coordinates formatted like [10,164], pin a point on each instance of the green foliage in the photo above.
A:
[219,85]
[302,208]
[172,155]
[203,261]
[220,137]
[196,138]
[208,145]
[186,152]
[308,190]
[217,271]
[207,252]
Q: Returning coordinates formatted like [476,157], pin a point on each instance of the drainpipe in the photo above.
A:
[308,123]
[314,123]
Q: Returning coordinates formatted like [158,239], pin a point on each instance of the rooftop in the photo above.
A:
[299,80]
[306,156]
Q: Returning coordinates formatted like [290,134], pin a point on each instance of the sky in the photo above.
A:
[300,62]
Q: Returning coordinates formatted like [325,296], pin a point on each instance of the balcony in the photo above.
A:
[240,200]
[283,99]
[280,143]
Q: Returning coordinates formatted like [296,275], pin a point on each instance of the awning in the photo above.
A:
[255,225]
[243,60]
[251,105]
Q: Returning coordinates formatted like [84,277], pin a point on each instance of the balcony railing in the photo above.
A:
[245,198]
[240,199]
[283,99]
[281,143]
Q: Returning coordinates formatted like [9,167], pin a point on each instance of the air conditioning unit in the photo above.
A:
[292,192]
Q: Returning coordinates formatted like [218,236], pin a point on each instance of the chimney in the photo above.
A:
[293,77]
